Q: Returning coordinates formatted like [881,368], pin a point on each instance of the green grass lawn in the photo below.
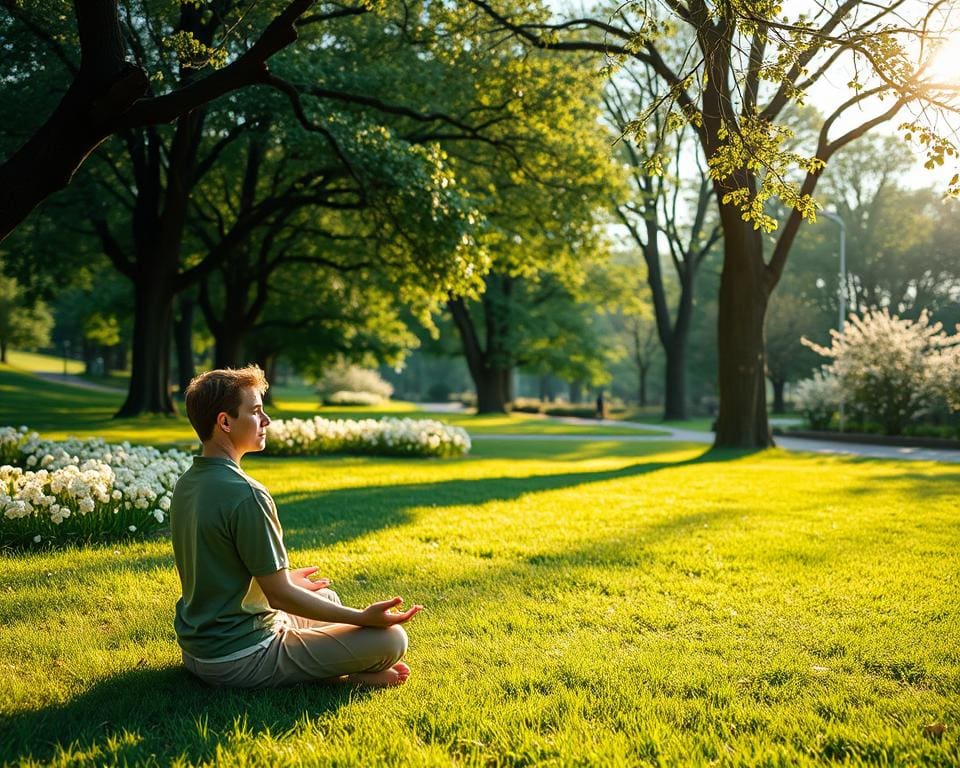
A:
[588,603]
[38,363]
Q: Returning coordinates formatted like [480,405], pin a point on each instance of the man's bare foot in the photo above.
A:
[396,675]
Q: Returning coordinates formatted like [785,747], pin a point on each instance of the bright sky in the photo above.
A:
[832,90]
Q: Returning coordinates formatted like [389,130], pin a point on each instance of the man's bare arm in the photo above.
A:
[284,594]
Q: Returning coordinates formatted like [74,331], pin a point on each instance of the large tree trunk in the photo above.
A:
[3,351]
[183,336]
[493,380]
[104,87]
[228,351]
[675,395]
[106,96]
[778,404]
[493,390]
[642,386]
[675,351]
[744,292]
[150,375]
[158,222]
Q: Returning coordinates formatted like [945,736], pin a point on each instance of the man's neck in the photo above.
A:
[215,449]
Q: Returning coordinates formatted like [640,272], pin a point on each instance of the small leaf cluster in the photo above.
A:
[937,148]
[757,148]
[193,53]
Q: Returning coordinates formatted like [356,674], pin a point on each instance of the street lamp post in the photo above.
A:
[842,288]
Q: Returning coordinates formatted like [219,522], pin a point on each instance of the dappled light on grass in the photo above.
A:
[597,601]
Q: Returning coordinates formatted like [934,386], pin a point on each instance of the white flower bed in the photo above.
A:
[385,437]
[82,489]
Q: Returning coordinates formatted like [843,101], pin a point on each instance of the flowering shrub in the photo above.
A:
[944,368]
[385,437]
[81,489]
[353,379]
[344,397]
[886,365]
[818,398]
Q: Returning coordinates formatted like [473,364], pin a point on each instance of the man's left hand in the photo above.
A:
[301,578]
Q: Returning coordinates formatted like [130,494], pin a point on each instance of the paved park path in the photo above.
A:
[787,443]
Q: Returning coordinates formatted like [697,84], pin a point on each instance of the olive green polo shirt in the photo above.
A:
[225,532]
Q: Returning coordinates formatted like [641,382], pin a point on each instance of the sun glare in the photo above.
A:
[945,60]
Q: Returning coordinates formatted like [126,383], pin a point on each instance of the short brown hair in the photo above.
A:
[219,391]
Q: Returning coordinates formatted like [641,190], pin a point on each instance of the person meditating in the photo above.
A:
[246,619]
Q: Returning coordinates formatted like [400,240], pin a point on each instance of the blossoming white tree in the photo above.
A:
[890,369]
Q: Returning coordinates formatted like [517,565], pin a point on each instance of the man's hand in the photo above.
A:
[382,615]
[300,577]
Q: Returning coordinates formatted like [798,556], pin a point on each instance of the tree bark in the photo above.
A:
[149,390]
[103,88]
[494,393]
[228,351]
[183,337]
[675,394]
[107,96]
[778,404]
[744,292]
[3,351]
[492,381]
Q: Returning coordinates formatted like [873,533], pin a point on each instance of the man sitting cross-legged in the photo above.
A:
[245,619]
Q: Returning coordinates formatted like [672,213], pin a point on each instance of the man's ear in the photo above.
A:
[222,421]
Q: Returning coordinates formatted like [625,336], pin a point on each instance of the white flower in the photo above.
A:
[85,477]
[36,539]
[424,437]
[132,528]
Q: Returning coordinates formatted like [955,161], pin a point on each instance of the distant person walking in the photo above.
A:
[601,406]
[245,618]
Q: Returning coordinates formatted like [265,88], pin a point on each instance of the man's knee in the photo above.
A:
[395,641]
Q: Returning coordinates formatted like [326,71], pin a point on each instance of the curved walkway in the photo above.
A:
[787,443]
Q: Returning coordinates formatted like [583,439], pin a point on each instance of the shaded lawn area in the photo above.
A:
[58,410]
[601,603]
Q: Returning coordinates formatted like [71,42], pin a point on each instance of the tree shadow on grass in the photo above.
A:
[349,513]
[162,714]
[922,486]
[165,714]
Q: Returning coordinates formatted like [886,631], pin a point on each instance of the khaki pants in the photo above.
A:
[305,650]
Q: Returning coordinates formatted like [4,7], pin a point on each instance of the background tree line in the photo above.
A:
[408,166]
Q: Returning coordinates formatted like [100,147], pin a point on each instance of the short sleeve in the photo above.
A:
[257,534]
